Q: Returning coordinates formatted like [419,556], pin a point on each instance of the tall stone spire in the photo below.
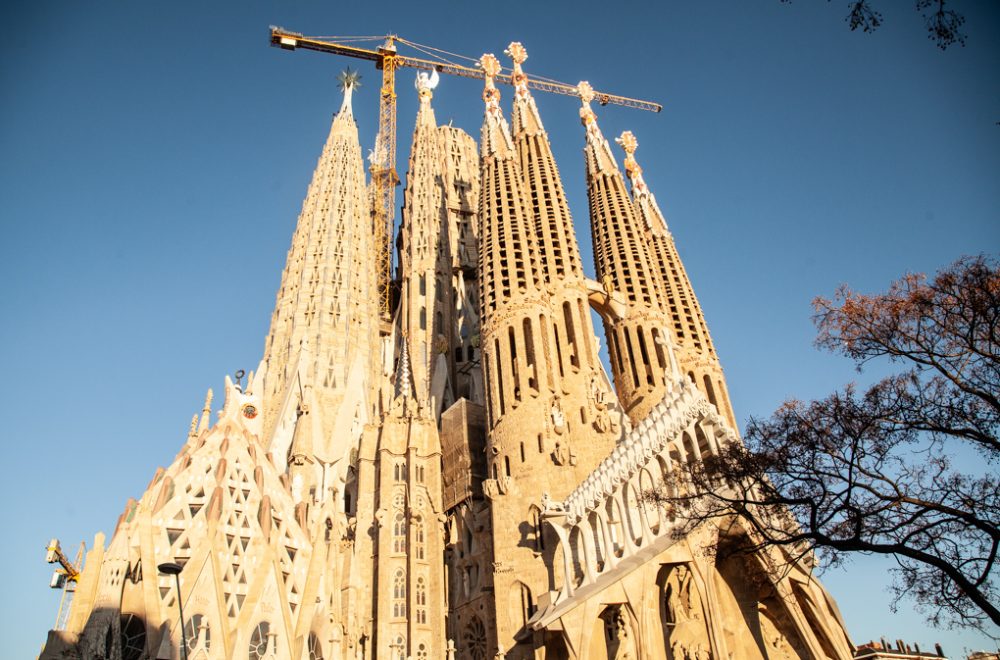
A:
[547,417]
[639,344]
[509,259]
[424,249]
[546,199]
[695,352]
[577,365]
[326,302]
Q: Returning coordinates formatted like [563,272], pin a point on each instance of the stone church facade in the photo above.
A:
[464,481]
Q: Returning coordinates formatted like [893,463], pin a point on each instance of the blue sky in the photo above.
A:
[153,158]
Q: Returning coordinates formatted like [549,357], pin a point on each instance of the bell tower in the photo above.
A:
[695,351]
[640,345]
[549,423]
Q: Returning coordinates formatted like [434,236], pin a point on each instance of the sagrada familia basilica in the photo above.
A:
[465,481]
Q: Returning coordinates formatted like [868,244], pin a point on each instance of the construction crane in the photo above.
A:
[65,577]
[383,160]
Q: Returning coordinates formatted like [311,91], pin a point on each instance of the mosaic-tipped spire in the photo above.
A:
[545,196]
[598,151]
[696,353]
[640,343]
[644,200]
[496,133]
[206,412]
[509,259]
[525,117]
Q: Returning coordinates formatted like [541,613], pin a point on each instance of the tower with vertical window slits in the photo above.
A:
[549,420]
[693,344]
[639,344]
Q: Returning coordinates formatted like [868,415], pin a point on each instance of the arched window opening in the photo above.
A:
[631,359]
[399,533]
[315,647]
[421,599]
[257,648]
[399,594]
[529,355]
[574,355]
[506,464]
[647,367]
[536,523]
[587,345]
[661,357]
[710,392]
[500,383]
[527,604]
[558,345]
[514,367]
[543,333]
[133,636]
[196,631]
[418,539]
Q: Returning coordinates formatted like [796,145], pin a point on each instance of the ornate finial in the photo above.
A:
[426,83]
[518,54]
[206,412]
[194,426]
[490,65]
[348,81]
[587,116]
[491,95]
[628,142]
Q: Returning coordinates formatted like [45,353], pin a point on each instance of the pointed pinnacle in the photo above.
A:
[206,412]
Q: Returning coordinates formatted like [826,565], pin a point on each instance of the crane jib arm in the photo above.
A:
[292,41]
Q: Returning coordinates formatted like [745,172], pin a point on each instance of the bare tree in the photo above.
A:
[944,26]
[907,468]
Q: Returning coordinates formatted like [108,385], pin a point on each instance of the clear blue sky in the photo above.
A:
[153,158]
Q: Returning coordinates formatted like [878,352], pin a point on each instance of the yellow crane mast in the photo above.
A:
[65,577]
[383,162]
